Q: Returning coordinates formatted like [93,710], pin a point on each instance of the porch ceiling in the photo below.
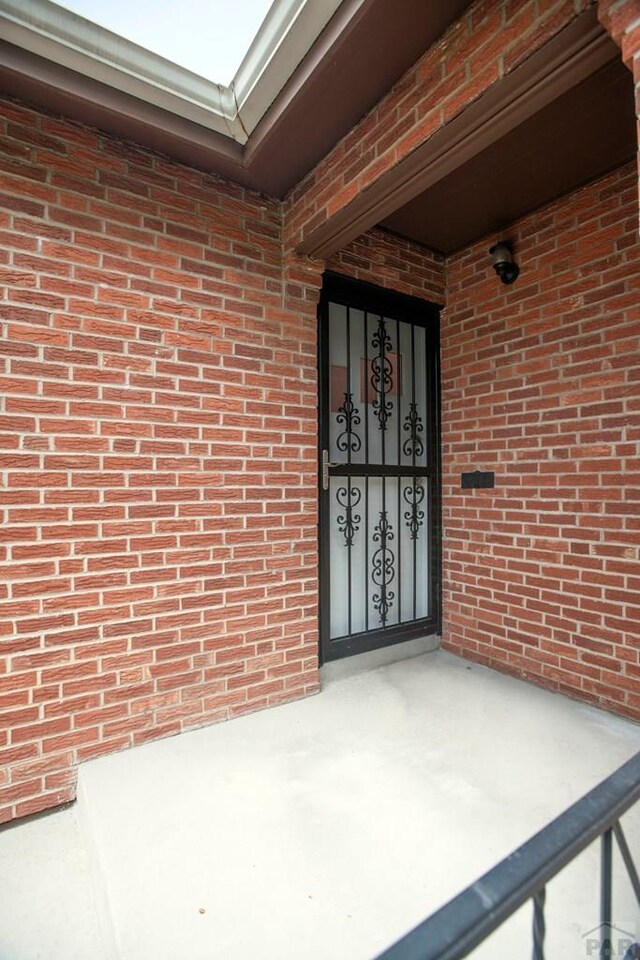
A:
[578,137]
[564,117]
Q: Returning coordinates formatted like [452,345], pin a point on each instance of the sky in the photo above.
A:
[209,37]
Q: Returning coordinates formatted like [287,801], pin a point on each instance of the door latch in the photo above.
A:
[326,463]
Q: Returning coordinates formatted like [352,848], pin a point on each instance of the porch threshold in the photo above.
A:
[372,659]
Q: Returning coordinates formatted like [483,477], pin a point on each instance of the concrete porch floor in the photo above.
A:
[324,828]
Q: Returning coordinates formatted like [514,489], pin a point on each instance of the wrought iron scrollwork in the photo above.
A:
[381,374]
[348,522]
[413,496]
[383,567]
[349,417]
[413,445]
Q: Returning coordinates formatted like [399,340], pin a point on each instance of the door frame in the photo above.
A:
[371,298]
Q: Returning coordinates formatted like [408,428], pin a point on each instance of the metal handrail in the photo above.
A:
[460,925]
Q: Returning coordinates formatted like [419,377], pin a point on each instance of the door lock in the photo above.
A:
[326,463]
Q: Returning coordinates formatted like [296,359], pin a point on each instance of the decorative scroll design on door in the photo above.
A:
[348,416]
[413,496]
[379,482]
[381,374]
[348,522]
[383,567]
[413,445]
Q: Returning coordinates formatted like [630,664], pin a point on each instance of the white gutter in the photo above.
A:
[287,34]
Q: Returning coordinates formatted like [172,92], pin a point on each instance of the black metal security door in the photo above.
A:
[379,468]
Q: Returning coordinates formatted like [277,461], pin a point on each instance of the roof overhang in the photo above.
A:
[313,70]
[61,37]
[563,117]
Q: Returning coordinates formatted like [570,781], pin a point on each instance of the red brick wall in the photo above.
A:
[621,18]
[389,261]
[541,383]
[488,42]
[157,454]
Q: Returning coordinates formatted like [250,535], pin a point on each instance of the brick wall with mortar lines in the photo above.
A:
[382,258]
[488,42]
[158,454]
[541,383]
[621,19]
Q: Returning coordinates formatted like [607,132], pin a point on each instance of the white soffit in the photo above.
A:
[65,38]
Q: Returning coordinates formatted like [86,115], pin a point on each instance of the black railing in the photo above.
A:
[463,923]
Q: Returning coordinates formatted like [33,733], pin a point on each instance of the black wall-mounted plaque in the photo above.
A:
[477,479]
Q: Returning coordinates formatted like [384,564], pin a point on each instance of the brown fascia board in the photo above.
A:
[575,53]
[347,18]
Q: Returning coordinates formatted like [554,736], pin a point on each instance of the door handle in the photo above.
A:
[326,463]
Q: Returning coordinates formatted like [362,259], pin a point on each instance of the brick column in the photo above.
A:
[301,283]
[621,19]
